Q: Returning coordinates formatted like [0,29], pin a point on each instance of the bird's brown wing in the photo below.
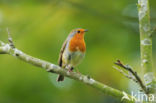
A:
[61,53]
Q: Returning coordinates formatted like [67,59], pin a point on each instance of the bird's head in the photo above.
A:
[78,32]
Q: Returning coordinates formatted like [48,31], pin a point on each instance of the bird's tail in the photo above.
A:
[60,78]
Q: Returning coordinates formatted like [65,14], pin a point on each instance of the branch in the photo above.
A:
[145,35]
[52,68]
[134,76]
[146,44]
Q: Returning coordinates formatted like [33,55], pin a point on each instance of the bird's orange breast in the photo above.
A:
[77,43]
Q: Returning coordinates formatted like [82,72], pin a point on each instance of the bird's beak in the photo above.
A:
[85,30]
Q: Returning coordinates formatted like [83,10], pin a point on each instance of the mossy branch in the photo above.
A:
[146,44]
[145,35]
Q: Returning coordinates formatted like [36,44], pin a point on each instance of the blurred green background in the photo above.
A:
[39,27]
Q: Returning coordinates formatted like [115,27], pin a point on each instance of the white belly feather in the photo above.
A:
[72,58]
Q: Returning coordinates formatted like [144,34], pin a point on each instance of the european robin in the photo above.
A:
[72,51]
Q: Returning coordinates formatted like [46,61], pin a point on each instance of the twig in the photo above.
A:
[10,39]
[153,31]
[137,79]
[125,74]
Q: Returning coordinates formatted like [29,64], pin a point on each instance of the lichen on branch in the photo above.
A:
[145,35]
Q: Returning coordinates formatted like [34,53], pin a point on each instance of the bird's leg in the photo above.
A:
[71,69]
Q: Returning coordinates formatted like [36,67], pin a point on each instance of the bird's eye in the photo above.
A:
[78,31]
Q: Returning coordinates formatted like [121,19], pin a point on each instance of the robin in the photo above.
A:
[72,51]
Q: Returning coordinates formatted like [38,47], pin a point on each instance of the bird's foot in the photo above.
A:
[70,70]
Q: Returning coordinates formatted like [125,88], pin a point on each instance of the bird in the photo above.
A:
[72,51]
